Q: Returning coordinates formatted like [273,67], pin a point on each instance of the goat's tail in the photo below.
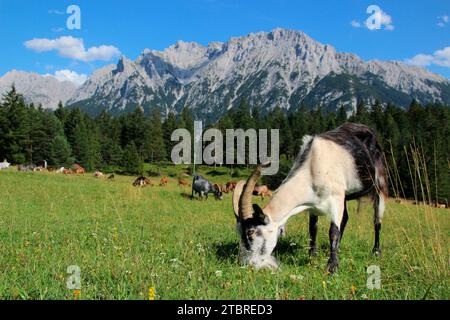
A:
[379,161]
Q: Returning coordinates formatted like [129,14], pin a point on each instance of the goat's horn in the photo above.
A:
[246,209]
[237,192]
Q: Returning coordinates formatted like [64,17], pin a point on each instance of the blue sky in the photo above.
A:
[414,31]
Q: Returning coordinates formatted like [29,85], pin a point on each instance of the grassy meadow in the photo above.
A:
[129,242]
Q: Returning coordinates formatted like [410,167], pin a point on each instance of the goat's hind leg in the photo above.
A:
[334,235]
[337,212]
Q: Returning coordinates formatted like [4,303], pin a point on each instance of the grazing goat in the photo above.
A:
[4,165]
[219,187]
[183,183]
[203,187]
[230,186]
[331,168]
[163,182]
[263,191]
[142,182]
[111,176]
[98,174]
[67,171]
[26,168]
[60,170]
[78,169]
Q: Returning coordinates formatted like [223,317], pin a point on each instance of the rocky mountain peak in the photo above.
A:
[277,68]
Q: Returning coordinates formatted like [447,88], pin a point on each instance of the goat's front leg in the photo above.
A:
[313,234]
[378,203]
[344,220]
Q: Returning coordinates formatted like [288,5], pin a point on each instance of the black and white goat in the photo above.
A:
[203,187]
[332,168]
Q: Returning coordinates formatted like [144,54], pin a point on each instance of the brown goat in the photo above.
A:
[219,187]
[183,183]
[142,182]
[229,187]
[78,169]
[163,182]
[262,191]
[67,171]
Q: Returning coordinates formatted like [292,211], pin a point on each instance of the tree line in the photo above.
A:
[416,140]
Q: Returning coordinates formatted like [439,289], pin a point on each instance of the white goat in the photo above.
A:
[333,167]
[4,165]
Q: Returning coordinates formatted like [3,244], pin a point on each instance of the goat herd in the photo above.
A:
[200,185]
[203,187]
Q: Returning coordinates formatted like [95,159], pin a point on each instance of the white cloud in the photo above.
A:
[443,21]
[383,18]
[442,57]
[68,75]
[355,24]
[439,57]
[73,48]
[421,60]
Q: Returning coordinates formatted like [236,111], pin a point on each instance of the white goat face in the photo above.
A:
[258,240]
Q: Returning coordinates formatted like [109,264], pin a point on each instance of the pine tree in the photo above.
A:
[298,122]
[3,132]
[169,126]
[362,114]
[134,129]
[377,116]
[44,128]
[61,113]
[341,116]
[16,134]
[186,120]
[86,147]
[257,119]
[241,116]
[131,161]
[331,121]
[155,147]
[317,121]
[60,152]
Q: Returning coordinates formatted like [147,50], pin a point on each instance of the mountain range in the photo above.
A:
[279,68]
[38,89]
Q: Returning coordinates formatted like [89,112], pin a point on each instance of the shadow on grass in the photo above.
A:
[187,196]
[215,173]
[284,251]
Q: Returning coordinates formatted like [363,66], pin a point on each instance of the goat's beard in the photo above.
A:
[249,258]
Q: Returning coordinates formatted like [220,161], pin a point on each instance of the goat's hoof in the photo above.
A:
[377,252]
[332,266]
[312,252]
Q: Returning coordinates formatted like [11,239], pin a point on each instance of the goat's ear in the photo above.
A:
[259,214]
[237,196]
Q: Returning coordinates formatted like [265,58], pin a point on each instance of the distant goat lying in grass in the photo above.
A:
[142,182]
